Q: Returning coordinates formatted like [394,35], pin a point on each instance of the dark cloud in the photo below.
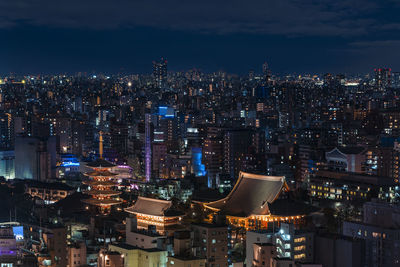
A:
[377,44]
[110,35]
[281,17]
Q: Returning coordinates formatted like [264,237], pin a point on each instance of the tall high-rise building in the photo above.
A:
[395,79]
[147,146]
[210,241]
[266,71]
[382,78]
[160,72]
[380,231]
[6,131]
[35,158]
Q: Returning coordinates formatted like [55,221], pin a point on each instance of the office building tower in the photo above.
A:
[35,158]
[147,146]
[7,169]
[382,78]
[6,131]
[241,149]
[380,230]
[160,72]
[395,80]
[266,72]
[296,245]
[210,241]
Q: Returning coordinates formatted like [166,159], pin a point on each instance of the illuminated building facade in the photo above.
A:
[344,186]
[147,148]
[382,78]
[35,158]
[296,245]
[48,192]
[68,164]
[6,131]
[155,212]
[263,254]
[139,257]
[380,231]
[160,72]
[210,241]
[198,167]
[8,247]
[7,158]
[348,159]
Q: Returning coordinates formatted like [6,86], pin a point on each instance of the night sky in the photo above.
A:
[125,36]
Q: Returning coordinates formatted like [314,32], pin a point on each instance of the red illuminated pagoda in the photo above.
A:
[101,184]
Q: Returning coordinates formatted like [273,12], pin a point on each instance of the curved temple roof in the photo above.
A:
[250,196]
[152,206]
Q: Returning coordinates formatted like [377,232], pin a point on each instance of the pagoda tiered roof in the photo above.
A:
[103,193]
[102,202]
[100,163]
[100,182]
[104,173]
[107,183]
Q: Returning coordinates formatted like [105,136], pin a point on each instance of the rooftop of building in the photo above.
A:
[290,207]
[146,232]
[344,151]
[351,150]
[187,258]
[356,177]
[209,225]
[50,186]
[130,247]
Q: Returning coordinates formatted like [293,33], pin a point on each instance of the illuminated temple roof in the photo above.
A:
[101,202]
[154,207]
[101,173]
[100,163]
[103,193]
[99,183]
[251,195]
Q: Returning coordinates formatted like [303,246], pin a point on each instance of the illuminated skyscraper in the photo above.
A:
[395,79]
[6,131]
[160,72]
[266,72]
[147,146]
[382,78]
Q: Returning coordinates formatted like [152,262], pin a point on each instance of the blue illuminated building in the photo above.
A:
[68,164]
[199,169]
[166,112]
[69,160]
